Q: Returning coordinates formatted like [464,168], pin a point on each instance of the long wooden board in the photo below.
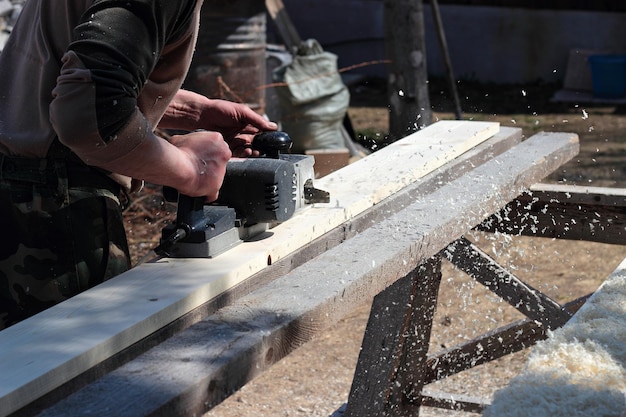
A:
[595,214]
[49,349]
[212,358]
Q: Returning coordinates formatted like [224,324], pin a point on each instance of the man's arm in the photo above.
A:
[94,111]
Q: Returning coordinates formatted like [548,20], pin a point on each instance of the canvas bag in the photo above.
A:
[313,99]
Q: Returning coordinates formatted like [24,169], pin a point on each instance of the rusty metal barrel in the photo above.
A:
[229,61]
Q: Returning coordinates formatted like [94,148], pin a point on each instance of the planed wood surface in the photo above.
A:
[203,364]
[55,346]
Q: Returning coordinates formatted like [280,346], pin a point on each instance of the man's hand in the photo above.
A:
[209,153]
[236,122]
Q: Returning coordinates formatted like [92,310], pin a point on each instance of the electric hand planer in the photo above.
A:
[257,194]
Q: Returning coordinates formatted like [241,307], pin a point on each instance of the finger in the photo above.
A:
[256,120]
[243,153]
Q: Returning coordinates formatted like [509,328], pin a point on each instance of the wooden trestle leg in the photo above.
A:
[388,380]
[394,365]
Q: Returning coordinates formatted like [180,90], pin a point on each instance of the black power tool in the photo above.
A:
[257,194]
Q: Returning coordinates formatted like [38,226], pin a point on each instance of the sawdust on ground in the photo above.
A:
[315,379]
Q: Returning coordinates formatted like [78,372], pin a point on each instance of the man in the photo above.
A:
[83,85]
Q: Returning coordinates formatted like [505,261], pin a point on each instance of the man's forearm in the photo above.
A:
[185,111]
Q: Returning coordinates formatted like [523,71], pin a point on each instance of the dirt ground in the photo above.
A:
[315,379]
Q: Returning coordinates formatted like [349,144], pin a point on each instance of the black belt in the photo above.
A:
[43,171]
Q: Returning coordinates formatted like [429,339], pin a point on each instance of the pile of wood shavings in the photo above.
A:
[580,370]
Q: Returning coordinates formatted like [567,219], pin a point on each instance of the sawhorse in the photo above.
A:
[299,295]
[394,365]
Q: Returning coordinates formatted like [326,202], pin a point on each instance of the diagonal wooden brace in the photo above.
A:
[526,299]
[489,346]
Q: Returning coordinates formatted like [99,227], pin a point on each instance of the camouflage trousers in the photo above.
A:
[62,233]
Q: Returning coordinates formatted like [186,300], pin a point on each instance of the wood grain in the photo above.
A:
[53,347]
[202,365]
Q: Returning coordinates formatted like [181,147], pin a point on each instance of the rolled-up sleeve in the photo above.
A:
[115,47]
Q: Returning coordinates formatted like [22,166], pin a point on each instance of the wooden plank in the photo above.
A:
[596,214]
[458,402]
[578,194]
[505,139]
[203,364]
[286,29]
[69,338]
[501,142]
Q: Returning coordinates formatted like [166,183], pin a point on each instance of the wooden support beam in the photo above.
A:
[457,402]
[489,346]
[527,300]
[410,378]
[396,337]
[595,214]
[203,364]
[492,345]
[402,370]
[286,29]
